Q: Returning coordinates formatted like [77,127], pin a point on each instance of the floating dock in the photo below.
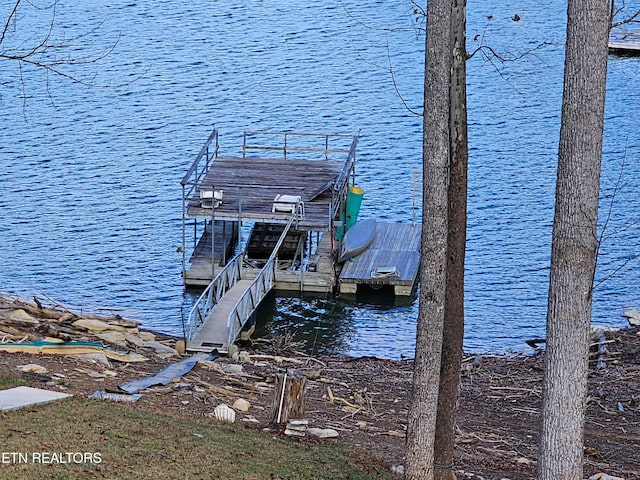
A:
[624,41]
[273,218]
[392,259]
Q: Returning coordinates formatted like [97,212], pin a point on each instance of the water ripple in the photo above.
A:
[89,181]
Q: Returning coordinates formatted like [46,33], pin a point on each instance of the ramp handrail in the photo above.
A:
[259,287]
[201,164]
[223,281]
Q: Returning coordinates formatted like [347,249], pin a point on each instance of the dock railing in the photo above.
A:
[260,286]
[248,301]
[194,176]
[292,142]
[200,165]
[341,183]
[223,281]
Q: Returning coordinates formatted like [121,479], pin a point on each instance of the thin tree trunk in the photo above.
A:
[574,243]
[422,412]
[453,335]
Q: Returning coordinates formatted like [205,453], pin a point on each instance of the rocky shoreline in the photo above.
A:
[363,401]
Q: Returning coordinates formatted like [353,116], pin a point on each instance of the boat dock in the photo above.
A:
[245,187]
[392,259]
[624,41]
[243,190]
[273,217]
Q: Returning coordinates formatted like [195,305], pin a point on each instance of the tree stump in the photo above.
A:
[288,399]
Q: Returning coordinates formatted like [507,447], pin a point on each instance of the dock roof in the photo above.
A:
[249,185]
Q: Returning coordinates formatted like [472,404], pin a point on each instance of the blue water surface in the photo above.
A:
[90,207]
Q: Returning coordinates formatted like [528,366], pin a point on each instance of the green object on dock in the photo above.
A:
[354,200]
[349,213]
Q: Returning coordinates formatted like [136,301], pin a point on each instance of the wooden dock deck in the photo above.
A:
[624,41]
[250,185]
[321,278]
[395,249]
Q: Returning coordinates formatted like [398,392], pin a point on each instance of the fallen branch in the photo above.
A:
[215,389]
[333,382]
[515,389]
[53,302]
[277,359]
[239,383]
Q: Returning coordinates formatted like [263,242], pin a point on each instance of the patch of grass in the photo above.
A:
[9,381]
[98,439]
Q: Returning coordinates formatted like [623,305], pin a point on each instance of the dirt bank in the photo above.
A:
[366,399]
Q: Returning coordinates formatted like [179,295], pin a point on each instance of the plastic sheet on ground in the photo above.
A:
[166,375]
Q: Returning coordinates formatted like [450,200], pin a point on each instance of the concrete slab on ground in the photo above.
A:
[19,397]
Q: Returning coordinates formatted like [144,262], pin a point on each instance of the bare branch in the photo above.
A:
[9,19]
[604,235]
[370,27]
[420,14]
[395,85]
[610,210]
[506,58]
[615,12]
[491,55]
[615,271]
[42,53]
[630,19]
[47,53]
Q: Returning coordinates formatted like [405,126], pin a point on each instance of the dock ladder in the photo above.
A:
[229,301]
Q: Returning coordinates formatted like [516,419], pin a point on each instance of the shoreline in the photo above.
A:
[366,399]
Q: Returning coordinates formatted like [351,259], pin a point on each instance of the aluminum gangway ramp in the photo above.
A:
[229,301]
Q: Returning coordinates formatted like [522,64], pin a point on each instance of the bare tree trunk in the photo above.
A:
[574,243]
[288,398]
[421,423]
[453,335]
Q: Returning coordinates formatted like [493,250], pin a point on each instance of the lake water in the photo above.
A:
[90,208]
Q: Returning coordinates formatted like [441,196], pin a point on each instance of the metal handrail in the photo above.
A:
[197,169]
[196,173]
[260,285]
[249,301]
[223,281]
[342,181]
[285,146]
[297,149]
[348,166]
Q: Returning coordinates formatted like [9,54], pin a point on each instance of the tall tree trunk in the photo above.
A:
[574,243]
[453,335]
[422,412]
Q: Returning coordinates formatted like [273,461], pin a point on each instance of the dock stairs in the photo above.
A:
[229,301]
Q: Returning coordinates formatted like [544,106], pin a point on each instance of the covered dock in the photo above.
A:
[291,189]
[273,172]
